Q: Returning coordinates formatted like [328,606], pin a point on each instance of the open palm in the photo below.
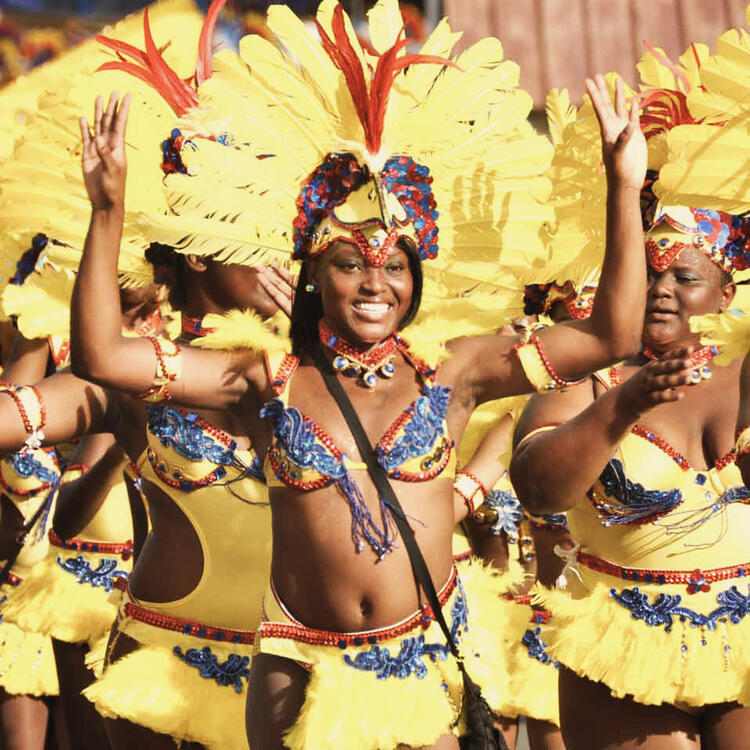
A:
[103,156]
[624,147]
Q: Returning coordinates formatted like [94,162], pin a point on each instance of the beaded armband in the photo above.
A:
[31,408]
[470,489]
[168,369]
[538,369]
[742,446]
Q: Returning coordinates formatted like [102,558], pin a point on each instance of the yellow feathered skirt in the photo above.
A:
[187,680]
[533,683]
[67,594]
[655,642]
[380,689]
[27,662]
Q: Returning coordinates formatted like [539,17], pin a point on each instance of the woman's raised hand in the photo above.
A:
[280,284]
[658,382]
[623,144]
[103,155]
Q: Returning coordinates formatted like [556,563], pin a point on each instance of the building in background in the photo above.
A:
[560,42]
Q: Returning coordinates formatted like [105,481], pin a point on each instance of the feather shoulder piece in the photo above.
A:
[243,330]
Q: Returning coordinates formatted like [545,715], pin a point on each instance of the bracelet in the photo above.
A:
[742,446]
[31,409]
[168,369]
[470,489]
[538,369]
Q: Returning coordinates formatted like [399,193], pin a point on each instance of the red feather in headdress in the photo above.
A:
[149,66]
[370,102]
[664,109]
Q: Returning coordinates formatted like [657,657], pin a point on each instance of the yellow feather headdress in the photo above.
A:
[41,186]
[452,131]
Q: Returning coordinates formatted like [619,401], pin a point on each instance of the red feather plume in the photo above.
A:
[149,66]
[370,102]
[664,109]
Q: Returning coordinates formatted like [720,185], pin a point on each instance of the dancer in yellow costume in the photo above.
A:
[29,482]
[215,493]
[506,539]
[366,216]
[651,620]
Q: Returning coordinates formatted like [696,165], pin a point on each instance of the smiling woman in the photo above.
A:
[365,299]
[342,614]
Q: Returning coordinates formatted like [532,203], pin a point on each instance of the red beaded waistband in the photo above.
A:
[696,580]
[298,632]
[187,627]
[123,549]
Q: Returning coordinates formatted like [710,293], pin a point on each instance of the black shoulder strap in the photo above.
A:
[383,486]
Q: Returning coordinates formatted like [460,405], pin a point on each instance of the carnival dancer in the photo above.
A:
[649,618]
[29,481]
[204,487]
[519,549]
[362,229]
[66,595]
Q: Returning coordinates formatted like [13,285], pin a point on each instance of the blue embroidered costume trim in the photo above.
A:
[537,648]
[509,513]
[25,465]
[733,607]
[411,656]
[304,450]
[227,673]
[634,502]
[422,429]
[180,432]
[102,577]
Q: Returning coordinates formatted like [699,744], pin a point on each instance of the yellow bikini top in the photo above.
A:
[31,478]
[220,490]
[415,448]
[651,509]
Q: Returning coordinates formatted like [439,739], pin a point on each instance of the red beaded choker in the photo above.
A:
[193,326]
[353,363]
[698,361]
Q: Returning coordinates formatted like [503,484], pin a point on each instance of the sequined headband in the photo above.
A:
[343,201]
[724,238]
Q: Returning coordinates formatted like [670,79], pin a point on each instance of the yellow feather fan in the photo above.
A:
[41,186]
[729,330]
[41,304]
[706,161]
[244,330]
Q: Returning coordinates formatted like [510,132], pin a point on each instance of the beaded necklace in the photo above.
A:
[194,326]
[365,365]
[699,361]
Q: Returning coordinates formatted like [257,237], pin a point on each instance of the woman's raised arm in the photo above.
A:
[98,350]
[572,350]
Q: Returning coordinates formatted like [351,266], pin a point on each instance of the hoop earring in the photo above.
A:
[311,288]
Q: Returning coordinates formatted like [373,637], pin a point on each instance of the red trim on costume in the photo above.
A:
[316,637]
[187,627]
[123,549]
[696,580]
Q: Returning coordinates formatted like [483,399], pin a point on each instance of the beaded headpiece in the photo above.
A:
[380,209]
[722,237]
[669,114]
[366,143]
